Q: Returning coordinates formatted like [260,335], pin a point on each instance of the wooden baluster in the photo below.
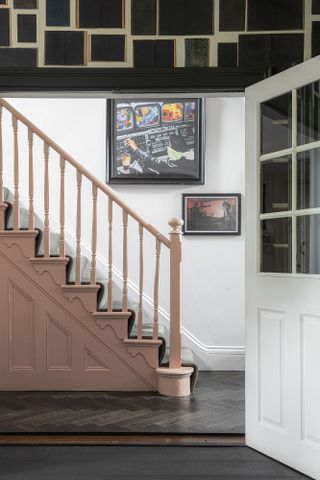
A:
[156,292]
[46,231]
[125,262]
[2,207]
[110,205]
[78,230]
[175,307]
[31,181]
[16,210]
[93,275]
[62,207]
[1,163]
[140,320]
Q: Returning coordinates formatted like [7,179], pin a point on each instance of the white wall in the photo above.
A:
[213,267]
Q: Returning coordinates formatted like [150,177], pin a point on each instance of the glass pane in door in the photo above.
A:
[308,179]
[308,243]
[276,236]
[308,110]
[276,124]
[275,185]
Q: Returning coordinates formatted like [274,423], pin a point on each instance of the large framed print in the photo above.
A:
[156,141]
[211,214]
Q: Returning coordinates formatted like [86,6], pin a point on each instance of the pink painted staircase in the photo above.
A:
[53,333]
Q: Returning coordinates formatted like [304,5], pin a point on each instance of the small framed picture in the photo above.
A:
[212,214]
[155,141]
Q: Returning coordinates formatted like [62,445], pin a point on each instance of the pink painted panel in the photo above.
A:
[21,329]
[58,346]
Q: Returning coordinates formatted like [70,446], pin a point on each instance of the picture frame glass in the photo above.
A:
[156,141]
[212,214]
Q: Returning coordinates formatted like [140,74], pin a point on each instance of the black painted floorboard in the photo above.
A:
[136,463]
[216,406]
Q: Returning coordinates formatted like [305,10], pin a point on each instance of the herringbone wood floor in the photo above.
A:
[216,406]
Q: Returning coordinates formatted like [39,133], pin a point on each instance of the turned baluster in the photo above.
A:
[125,262]
[93,275]
[110,206]
[175,307]
[31,181]
[16,210]
[2,222]
[1,160]
[156,292]
[78,230]
[46,231]
[62,207]
[140,320]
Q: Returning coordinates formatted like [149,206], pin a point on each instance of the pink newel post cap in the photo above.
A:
[176,224]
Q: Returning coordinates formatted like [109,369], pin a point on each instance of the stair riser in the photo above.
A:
[87,297]
[55,270]
[24,240]
[150,353]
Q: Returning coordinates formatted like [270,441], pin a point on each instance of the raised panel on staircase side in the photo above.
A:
[59,346]
[22,316]
[93,363]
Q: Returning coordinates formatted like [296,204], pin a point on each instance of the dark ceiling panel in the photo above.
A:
[315,39]
[25,4]
[101,13]
[232,15]
[143,17]
[227,54]
[108,48]
[4,27]
[275,15]
[58,13]
[185,17]
[315,7]
[154,53]
[64,48]
[27,28]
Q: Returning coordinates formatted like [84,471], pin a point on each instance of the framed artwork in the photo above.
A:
[155,141]
[211,214]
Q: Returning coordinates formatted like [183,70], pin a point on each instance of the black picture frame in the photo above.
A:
[200,219]
[169,151]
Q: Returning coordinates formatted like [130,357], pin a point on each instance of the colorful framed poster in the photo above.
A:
[156,141]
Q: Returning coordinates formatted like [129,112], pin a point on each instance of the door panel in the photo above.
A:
[270,352]
[283,267]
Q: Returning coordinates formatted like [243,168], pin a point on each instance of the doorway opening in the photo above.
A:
[213,274]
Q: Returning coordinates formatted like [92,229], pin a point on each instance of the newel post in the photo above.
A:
[175,294]
[175,381]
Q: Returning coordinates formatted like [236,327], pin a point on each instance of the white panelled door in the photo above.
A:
[283,267]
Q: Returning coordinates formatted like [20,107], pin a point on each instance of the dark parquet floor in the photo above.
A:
[139,463]
[216,406]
